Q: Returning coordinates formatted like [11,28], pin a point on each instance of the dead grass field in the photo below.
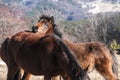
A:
[93,75]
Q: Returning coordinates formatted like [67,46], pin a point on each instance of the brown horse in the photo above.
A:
[54,29]
[40,55]
[96,55]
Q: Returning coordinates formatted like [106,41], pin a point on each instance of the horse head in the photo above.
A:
[45,25]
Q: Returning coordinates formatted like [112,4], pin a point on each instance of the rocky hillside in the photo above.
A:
[63,9]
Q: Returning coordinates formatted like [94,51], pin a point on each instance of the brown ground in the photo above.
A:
[93,75]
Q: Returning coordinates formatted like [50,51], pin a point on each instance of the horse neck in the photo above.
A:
[49,31]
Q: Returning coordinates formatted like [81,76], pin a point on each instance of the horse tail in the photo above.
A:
[3,50]
[73,61]
[117,51]
[18,75]
[115,63]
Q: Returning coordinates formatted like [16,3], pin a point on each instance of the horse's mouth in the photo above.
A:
[34,31]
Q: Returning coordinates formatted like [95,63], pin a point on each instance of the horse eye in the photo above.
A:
[46,24]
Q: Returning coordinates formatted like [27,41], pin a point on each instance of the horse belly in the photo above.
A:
[34,62]
[32,68]
[30,64]
[34,72]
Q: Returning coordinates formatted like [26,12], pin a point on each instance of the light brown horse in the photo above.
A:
[96,55]
[40,54]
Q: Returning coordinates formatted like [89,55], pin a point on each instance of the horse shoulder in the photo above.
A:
[48,42]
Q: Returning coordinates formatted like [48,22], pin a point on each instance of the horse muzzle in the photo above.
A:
[34,29]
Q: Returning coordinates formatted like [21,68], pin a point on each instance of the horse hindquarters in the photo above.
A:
[106,71]
[104,66]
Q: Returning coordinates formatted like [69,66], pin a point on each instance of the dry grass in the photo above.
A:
[93,75]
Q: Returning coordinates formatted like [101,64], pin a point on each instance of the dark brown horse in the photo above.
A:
[40,54]
[96,55]
[40,29]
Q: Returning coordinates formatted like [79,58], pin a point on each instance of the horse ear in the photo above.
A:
[52,19]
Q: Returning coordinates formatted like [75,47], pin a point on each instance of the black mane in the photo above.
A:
[46,17]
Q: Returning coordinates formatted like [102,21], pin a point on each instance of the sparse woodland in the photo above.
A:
[100,27]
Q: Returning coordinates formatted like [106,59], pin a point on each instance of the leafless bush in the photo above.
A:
[10,22]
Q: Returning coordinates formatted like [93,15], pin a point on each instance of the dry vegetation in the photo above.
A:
[11,21]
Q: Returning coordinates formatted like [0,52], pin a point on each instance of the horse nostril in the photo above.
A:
[34,29]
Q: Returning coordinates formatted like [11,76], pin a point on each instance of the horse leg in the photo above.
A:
[13,69]
[47,77]
[26,76]
[106,71]
[56,78]
[18,75]
[13,73]
[66,77]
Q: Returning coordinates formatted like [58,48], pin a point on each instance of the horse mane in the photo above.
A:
[45,17]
